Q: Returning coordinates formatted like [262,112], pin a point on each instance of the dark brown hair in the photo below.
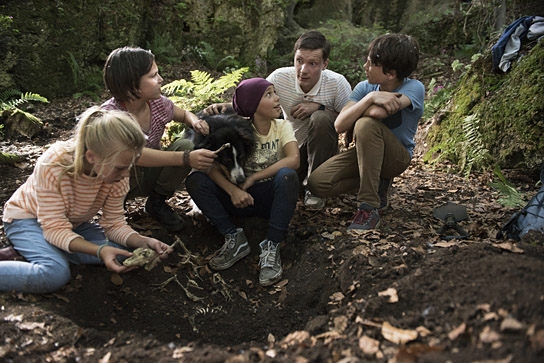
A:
[398,52]
[123,70]
[314,40]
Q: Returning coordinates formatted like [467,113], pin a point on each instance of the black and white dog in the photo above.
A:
[232,137]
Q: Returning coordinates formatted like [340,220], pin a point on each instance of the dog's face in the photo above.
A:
[238,133]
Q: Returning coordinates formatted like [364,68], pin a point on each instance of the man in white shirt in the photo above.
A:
[311,97]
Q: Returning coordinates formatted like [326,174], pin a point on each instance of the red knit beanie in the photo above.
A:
[248,94]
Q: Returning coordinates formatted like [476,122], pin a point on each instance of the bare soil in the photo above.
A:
[397,294]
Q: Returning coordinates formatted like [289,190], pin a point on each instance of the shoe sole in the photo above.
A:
[360,230]
[230,263]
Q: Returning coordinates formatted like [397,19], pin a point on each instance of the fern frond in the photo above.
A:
[29,96]
[201,78]
[180,86]
[509,195]
[9,94]
[8,102]
[475,152]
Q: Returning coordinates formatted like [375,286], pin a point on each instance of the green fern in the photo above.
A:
[474,151]
[202,90]
[9,103]
[197,94]
[510,196]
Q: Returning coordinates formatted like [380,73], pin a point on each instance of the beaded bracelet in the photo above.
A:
[98,251]
[186,160]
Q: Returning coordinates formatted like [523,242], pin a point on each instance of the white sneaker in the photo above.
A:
[313,202]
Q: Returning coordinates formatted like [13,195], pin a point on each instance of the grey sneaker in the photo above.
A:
[235,248]
[270,263]
[383,192]
[313,202]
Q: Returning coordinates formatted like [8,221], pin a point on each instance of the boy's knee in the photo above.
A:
[313,185]
[288,175]
[365,126]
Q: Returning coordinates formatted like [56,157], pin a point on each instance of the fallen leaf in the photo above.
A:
[453,334]
[30,326]
[12,317]
[337,296]
[392,293]
[511,324]
[396,335]
[488,335]
[116,279]
[340,323]
[509,247]
[282,283]
[368,345]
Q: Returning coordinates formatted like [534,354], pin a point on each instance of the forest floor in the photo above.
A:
[400,293]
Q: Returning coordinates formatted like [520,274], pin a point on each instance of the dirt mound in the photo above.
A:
[399,293]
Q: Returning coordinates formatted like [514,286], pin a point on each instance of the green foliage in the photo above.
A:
[5,22]
[474,152]
[510,196]
[500,116]
[199,93]
[202,90]
[437,97]
[88,80]
[163,48]
[11,100]
[205,54]
[349,45]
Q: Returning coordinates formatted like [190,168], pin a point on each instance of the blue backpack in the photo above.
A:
[531,217]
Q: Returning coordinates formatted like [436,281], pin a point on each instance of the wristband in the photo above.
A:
[98,251]
[186,160]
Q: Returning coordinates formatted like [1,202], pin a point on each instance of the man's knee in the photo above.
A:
[320,120]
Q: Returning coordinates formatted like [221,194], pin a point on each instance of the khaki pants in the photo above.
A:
[377,154]
[163,180]
[320,145]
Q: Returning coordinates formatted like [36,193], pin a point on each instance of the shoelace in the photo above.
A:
[268,256]
[361,216]
[229,243]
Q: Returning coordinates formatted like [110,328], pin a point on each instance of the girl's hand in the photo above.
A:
[247,183]
[201,159]
[241,199]
[161,248]
[109,254]
[201,127]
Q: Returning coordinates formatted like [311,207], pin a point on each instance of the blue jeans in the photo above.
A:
[47,268]
[274,200]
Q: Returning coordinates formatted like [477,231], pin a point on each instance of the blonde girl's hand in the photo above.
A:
[108,255]
[161,248]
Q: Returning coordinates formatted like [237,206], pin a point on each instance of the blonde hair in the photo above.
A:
[107,133]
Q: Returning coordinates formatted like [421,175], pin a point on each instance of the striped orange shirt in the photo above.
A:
[78,200]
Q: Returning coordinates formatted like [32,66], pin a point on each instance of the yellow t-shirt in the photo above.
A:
[269,148]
